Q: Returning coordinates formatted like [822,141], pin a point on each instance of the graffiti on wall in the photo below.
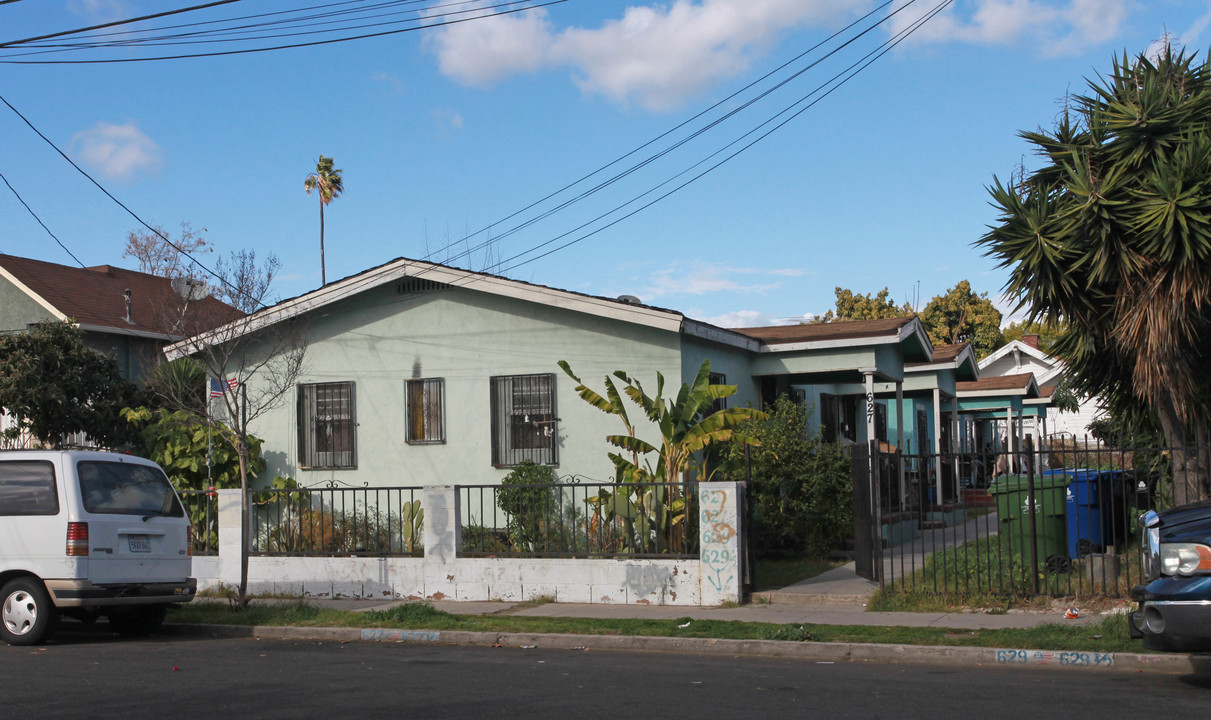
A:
[720,556]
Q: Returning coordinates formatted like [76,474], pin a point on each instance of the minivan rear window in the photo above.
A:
[126,489]
[27,487]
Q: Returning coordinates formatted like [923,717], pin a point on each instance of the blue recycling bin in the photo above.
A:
[1088,511]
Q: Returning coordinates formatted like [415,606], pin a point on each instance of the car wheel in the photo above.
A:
[138,622]
[27,616]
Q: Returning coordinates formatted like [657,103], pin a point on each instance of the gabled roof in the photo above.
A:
[95,297]
[845,334]
[1020,346]
[1020,384]
[817,332]
[958,357]
[402,269]
[1055,365]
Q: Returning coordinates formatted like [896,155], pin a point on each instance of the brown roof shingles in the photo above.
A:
[96,296]
[1003,382]
[815,332]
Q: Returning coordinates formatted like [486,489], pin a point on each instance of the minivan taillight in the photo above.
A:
[77,538]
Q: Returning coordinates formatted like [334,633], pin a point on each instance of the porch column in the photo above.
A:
[937,445]
[870,404]
[954,441]
[900,438]
[1010,440]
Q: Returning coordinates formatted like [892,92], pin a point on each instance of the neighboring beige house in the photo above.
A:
[122,313]
[1024,356]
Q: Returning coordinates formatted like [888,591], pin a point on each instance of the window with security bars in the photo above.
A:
[524,426]
[426,400]
[327,425]
[721,403]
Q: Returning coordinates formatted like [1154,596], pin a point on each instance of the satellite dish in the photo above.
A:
[190,288]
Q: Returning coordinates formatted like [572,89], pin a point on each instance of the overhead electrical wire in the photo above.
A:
[480,9]
[35,216]
[667,150]
[837,80]
[120,204]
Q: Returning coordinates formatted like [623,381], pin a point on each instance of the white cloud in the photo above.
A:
[100,10]
[393,83]
[484,51]
[699,278]
[755,318]
[658,55]
[1056,28]
[448,121]
[120,152]
[740,318]
[1006,304]
[1188,38]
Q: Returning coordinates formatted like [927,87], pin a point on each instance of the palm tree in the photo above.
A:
[327,180]
[1112,237]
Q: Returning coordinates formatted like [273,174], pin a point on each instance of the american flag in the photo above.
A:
[217,389]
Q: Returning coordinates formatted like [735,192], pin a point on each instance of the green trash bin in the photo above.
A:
[1050,528]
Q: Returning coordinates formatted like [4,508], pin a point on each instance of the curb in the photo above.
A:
[808,651]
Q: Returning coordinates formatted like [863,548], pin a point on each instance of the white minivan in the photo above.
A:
[85,533]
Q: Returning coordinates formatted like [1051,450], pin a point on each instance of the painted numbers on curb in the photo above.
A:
[1045,657]
[416,636]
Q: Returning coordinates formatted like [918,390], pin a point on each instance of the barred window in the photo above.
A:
[721,403]
[524,426]
[426,401]
[327,425]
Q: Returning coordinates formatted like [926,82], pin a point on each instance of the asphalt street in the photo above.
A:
[90,674]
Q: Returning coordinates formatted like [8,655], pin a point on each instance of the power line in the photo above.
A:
[836,81]
[652,158]
[120,204]
[35,215]
[506,7]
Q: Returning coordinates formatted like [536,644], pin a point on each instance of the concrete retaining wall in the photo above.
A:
[711,579]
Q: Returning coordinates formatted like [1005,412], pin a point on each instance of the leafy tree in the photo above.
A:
[800,487]
[329,184]
[853,306]
[963,316]
[1113,236]
[264,361]
[181,442]
[1048,334]
[54,386]
[157,257]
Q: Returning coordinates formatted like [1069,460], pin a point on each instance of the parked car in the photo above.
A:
[1174,611]
[85,534]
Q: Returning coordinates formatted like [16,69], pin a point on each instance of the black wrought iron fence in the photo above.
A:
[1061,521]
[337,521]
[202,507]
[579,520]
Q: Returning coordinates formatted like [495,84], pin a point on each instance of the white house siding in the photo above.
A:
[380,338]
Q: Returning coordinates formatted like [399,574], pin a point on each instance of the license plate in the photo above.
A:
[140,544]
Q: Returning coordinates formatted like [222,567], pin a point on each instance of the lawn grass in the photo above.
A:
[1109,636]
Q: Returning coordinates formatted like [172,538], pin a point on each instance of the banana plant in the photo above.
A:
[654,512]
[685,427]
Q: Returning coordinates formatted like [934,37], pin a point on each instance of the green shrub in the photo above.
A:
[800,488]
[530,509]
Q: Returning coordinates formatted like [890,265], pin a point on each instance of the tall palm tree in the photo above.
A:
[327,180]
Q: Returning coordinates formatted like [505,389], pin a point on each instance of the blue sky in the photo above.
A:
[446,131]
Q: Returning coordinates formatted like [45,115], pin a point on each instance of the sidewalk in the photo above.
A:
[834,598]
[837,597]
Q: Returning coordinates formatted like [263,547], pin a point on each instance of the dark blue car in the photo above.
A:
[1174,611]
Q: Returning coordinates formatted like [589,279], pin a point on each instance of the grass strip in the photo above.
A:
[1109,636]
